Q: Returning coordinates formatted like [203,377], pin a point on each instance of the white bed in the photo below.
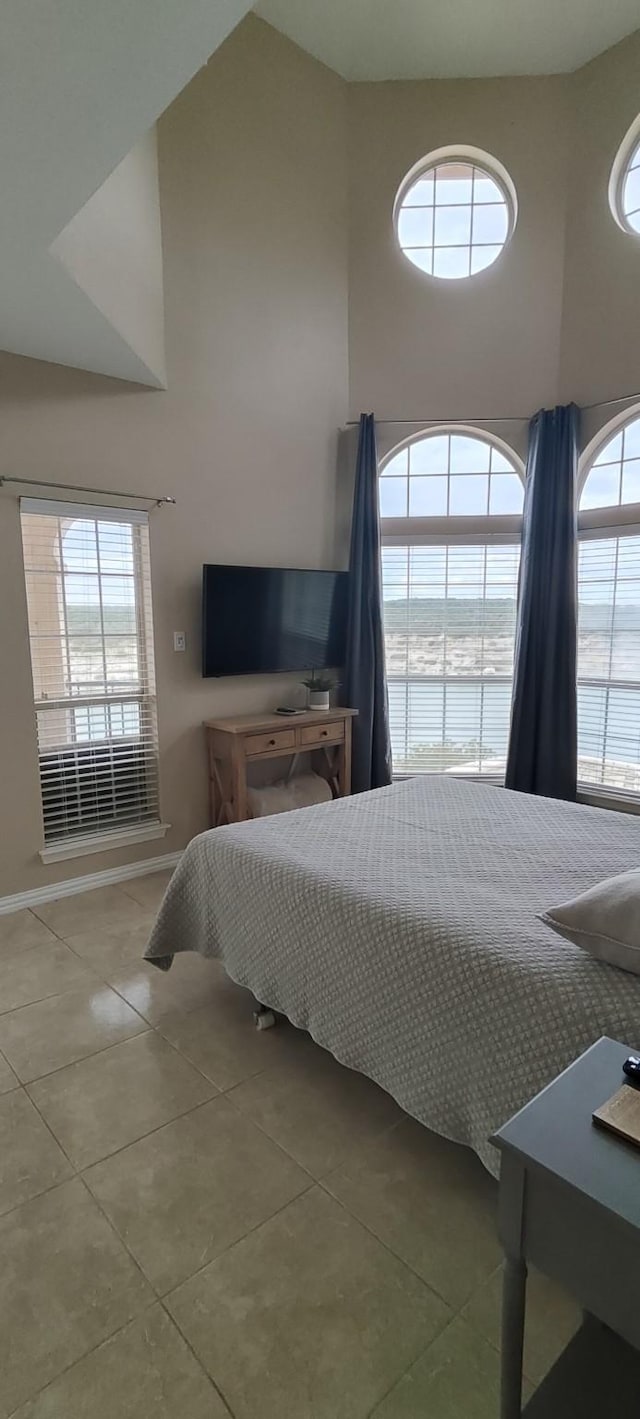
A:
[399,927]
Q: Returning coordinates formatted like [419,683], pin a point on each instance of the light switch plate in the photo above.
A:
[179,640]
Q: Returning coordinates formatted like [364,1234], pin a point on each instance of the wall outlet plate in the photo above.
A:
[179,640]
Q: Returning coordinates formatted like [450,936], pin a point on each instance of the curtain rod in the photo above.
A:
[499,419]
[97,492]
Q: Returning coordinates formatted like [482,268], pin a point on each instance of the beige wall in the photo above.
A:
[445,349]
[558,316]
[253,189]
[601,322]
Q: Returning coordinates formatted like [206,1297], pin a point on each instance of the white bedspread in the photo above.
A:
[399,927]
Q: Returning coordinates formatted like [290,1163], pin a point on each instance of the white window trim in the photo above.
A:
[102,842]
[617,178]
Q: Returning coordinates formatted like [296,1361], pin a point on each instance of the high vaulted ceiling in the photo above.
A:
[419,39]
[81,82]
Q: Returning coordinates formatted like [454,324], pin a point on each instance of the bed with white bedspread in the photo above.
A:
[399,927]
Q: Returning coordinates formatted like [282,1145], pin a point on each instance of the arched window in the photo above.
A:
[609,614]
[624,183]
[451,513]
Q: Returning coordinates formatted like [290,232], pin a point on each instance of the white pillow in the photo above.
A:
[605,921]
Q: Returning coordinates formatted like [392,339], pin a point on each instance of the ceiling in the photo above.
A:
[419,39]
[80,83]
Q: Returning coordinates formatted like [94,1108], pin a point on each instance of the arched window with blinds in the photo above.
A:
[609,615]
[451,515]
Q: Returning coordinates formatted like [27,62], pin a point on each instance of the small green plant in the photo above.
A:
[320,680]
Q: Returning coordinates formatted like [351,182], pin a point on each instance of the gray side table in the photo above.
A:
[570,1205]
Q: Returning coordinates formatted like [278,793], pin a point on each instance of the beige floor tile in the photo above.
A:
[144,1372]
[552,1318]
[66,1283]
[431,1202]
[30,1159]
[309,1316]
[115,1097]
[457,1378]
[320,1112]
[43,971]
[112,951]
[40,1038]
[148,890]
[183,1194]
[191,982]
[69,916]
[220,1038]
[7,1077]
[21,930]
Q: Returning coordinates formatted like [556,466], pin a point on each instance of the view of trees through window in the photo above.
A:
[449,614]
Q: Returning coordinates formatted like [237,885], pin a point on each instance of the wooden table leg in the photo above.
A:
[239,784]
[514,1292]
[344,774]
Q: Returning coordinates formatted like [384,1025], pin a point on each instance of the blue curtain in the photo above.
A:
[543,750]
[365,687]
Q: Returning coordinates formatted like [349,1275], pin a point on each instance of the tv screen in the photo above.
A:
[257,620]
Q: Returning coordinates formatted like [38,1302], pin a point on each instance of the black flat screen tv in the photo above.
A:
[258,620]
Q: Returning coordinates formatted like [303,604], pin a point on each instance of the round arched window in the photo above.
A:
[450,475]
[454,213]
[451,511]
[613,479]
[624,184]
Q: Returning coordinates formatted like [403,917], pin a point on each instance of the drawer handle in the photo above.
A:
[323,733]
[271,743]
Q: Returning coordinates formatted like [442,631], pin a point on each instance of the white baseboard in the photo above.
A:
[72,885]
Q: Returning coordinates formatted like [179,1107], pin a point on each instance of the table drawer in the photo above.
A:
[322,733]
[280,739]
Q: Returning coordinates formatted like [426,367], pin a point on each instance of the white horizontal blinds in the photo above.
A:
[89,604]
[449,603]
[449,619]
[609,663]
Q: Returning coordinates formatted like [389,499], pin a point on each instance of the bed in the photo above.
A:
[399,927]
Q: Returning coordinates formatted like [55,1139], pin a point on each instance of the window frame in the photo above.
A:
[618,176]
[600,524]
[475,157]
[494,529]
[117,832]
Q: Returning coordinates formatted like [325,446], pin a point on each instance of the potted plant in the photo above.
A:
[319,685]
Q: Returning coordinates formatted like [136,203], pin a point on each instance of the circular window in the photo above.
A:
[454,213]
[624,184]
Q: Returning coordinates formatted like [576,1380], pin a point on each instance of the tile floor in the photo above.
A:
[200,1220]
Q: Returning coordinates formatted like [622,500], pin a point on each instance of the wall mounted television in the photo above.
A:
[259,620]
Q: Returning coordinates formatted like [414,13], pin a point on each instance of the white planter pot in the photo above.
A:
[319,699]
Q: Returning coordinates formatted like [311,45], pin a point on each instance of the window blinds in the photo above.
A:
[449,620]
[609,663]
[91,637]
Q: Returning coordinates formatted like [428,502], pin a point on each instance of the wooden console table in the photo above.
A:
[233,744]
